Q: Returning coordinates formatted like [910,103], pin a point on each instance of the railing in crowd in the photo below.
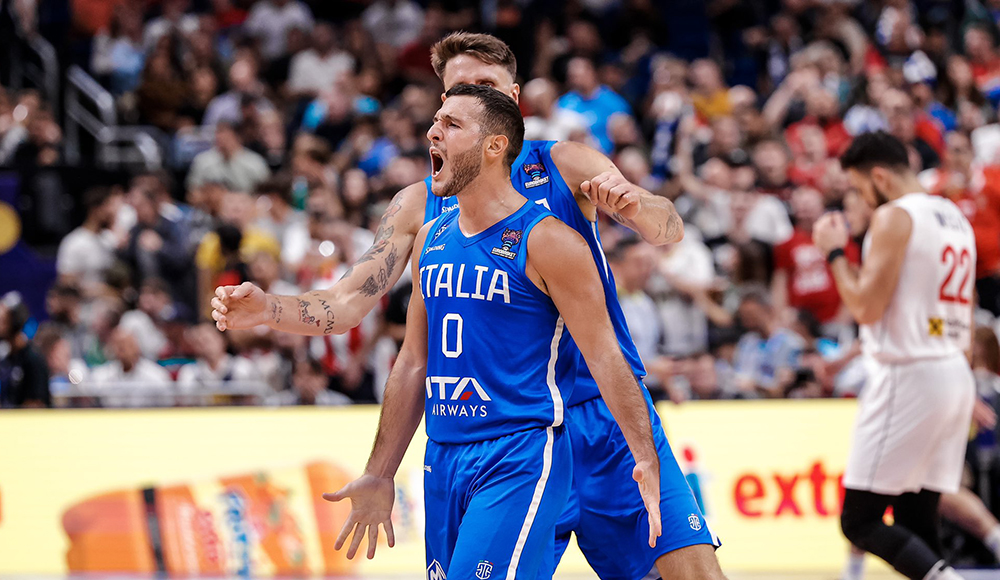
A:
[91,108]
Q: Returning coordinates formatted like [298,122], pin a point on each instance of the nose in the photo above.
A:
[434,133]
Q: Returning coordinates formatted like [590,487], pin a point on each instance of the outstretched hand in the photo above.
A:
[647,475]
[371,504]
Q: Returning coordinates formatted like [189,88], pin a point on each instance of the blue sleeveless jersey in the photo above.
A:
[536,177]
[498,358]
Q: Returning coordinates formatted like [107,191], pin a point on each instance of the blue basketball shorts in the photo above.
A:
[605,510]
[492,506]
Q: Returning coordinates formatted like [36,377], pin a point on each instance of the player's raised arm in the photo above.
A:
[589,173]
[866,292]
[373,493]
[561,259]
[342,306]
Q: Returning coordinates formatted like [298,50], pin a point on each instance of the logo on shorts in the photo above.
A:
[508,240]
[695,522]
[484,569]
[935,326]
[536,172]
[435,571]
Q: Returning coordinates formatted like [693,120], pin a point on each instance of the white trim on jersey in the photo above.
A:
[604,259]
[536,498]
[550,376]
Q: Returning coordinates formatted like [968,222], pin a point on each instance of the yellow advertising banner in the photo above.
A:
[236,490]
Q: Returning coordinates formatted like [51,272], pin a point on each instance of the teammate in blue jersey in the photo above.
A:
[496,285]
[574,181]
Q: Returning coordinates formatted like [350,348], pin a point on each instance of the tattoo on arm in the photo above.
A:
[276,311]
[382,235]
[621,219]
[304,315]
[376,284]
[329,316]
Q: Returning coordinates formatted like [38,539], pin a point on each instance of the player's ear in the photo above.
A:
[515,92]
[497,146]
[443,97]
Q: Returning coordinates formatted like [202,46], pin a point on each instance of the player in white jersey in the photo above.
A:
[913,297]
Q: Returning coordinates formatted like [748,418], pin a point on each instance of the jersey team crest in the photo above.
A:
[535,171]
[508,240]
[484,569]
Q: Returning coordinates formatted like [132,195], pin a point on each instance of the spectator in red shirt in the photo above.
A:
[914,129]
[983,58]
[810,165]
[802,278]
[770,159]
[821,111]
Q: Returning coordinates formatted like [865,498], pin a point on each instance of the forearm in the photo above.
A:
[657,221]
[846,278]
[401,412]
[622,393]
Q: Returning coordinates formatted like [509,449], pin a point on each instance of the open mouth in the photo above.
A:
[437,162]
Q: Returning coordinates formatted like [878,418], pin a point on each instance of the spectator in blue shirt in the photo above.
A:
[591,99]
[768,355]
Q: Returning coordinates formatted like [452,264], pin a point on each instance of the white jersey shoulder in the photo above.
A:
[930,312]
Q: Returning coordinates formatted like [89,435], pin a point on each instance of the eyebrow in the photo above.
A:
[445,116]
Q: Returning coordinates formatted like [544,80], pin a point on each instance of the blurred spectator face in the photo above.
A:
[147,208]
[959,72]
[355,187]
[540,96]
[744,178]
[813,142]
[821,104]
[634,267]
[958,152]
[125,348]
[753,314]
[581,76]
[264,269]
[308,380]
[807,206]
[227,140]
[702,377]
[319,212]
[742,97]
[706,77]
[469,70]
[323,37]
[154,299]
[978,45]
[897,108]
[237,209]
[970,117]
[772,163]
[716,173]
[878,84]
[784,28]
[158,67]
[623,130]
[204,85]
[242,75]
[633,164]
[58,357]
[584,38]
[923,94]
[297,40]
[726,134]
[835,183]
[63,304]
[207,342]
[419,103]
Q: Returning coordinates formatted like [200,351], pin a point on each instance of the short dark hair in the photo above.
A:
[484,47]
[500,116]
[95,197]
[618,251]
[876,149]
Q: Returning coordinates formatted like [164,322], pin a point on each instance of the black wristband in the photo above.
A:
[834,254]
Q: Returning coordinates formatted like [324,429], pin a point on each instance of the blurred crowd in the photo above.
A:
[286,126]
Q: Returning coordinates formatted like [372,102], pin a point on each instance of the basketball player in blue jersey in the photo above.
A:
[574,181]
[496,285]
